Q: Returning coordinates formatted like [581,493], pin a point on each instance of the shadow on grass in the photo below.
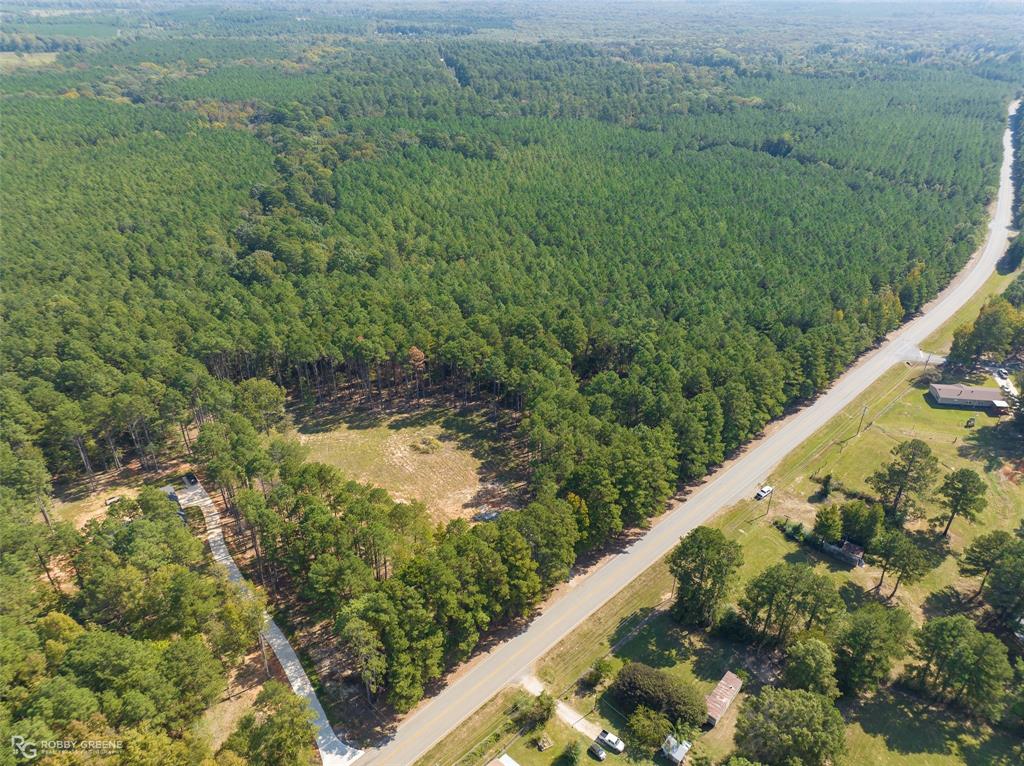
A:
[610,709]
[114,480]
[564,759]
[948,601]
[332,416]
[661,643]
[714,656]
[416,419]
[854,596]
[912,727]
[628,624]
[805,555]
[933,545]
[923,381]
[991,445]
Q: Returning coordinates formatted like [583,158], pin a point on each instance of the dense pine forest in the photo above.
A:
[633,241]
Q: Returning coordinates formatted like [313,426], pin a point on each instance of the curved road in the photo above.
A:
[333,752]
[735,481]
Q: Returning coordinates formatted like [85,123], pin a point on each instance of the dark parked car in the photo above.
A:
[190,479]
[596,751]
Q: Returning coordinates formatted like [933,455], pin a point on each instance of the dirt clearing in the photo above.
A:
[442,460]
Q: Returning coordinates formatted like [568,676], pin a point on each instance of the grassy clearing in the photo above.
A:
[245,682]
[11,60]
[101,29]
[695,658]
[80,501]
[894,729]
[574,654]
[898,409]
[432,456]
[526,753]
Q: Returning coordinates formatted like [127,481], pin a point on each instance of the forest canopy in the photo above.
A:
[636,247]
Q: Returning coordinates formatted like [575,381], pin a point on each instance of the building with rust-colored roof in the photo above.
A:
[722,697]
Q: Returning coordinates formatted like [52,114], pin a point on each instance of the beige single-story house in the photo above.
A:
[975,397]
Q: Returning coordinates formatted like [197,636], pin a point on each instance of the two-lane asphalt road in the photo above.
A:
[733,482]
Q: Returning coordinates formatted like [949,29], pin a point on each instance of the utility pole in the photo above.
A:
[863,412]
[263,649]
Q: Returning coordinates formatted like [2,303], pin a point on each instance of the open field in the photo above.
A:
[526,753]
[490,732]
[102,28]
[11,60]
[81,501]
[895,729]
[245,682]
[898,409]
[440,459]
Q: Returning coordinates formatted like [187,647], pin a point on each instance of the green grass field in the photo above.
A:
[479,737]
[11,60]
[898,409]
[105,28]
[526,753]
[440,459]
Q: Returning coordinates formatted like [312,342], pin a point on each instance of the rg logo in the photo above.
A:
[26,748]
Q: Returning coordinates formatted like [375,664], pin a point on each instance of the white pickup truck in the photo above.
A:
[608,740]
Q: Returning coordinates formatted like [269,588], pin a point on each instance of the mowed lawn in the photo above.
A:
[891,728]
[431,456]
[526,752]
[897,409]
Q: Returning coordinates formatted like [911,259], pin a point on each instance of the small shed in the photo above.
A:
[847,551]
[854,553]
[722,697]
[675,750]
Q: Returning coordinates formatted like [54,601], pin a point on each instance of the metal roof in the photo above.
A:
[973,393]
[722,697]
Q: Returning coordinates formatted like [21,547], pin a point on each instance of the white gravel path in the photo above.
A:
[333,752]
